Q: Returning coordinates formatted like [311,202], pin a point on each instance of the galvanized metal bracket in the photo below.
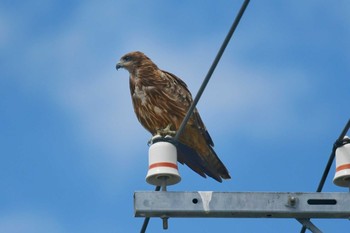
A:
[242,204]
[301,206]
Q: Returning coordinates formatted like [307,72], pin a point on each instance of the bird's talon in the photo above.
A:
[166,131]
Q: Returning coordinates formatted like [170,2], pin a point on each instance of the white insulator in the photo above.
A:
[163,170]
[342,174]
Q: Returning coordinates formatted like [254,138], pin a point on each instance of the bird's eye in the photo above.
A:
[127,58]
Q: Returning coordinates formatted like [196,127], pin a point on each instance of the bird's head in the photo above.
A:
[132,61]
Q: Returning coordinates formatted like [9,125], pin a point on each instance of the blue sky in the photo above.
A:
[72,151]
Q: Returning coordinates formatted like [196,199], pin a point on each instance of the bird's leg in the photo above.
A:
[162,133]
[166,131]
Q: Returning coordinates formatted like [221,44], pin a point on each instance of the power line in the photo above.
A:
[211,70]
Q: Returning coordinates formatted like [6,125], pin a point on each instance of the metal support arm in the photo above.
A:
[242,204]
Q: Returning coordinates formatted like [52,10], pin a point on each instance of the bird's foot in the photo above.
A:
[166,131]
[162,133]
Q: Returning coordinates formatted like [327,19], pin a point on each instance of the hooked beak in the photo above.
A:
[119,65]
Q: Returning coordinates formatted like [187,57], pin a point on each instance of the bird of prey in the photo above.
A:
[161,101]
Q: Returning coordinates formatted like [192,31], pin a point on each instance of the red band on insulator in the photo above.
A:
[343,167]
[163,164]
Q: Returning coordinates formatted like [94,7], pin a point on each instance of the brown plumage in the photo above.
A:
[161,101]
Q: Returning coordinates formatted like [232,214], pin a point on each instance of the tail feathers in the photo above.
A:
[213,168]
[217,164]
[186,155]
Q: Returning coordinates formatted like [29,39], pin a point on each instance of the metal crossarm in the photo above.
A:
[242,205]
